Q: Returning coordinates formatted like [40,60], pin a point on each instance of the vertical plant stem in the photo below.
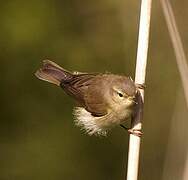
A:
[180,58]
[141,62]
[177,45]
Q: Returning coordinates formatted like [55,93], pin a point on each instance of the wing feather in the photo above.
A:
[86,88]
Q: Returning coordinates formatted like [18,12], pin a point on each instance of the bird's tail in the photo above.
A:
[52,73]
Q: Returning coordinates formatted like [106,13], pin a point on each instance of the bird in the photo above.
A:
[104,100]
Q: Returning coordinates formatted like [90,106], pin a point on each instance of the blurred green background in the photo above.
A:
[38,139]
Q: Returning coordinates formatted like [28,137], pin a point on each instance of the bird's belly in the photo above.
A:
[118,117]
[99,125]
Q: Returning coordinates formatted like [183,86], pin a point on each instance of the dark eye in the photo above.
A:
[120,94]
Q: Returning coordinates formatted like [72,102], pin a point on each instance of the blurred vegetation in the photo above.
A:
[38,138]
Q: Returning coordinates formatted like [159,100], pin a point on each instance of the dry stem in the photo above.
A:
[143,41]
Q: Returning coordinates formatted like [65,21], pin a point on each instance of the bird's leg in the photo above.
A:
[124,127]
[134,131]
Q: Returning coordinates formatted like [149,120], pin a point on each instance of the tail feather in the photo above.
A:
[51,72]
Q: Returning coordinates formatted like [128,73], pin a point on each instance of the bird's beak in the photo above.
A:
[133,99]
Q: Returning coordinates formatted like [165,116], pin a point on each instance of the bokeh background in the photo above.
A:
[38,139]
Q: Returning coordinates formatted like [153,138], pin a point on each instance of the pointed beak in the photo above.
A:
[133,99]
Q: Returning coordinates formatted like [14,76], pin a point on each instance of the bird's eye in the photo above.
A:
[120,94]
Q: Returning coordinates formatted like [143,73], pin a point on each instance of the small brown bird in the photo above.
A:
[105,100]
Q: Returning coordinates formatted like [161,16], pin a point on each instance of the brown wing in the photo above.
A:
[86,89]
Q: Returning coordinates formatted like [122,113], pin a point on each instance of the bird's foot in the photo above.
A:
[140,86]
[136,132]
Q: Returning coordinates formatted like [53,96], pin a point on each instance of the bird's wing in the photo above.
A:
[86,89]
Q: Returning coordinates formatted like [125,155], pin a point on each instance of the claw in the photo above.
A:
[136,132]
[141,86]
